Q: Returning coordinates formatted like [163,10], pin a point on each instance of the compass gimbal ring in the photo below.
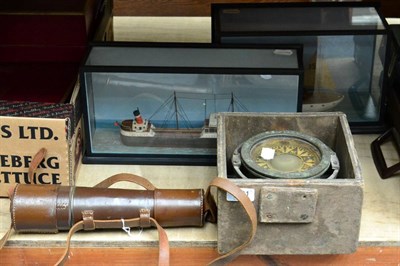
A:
[294,156]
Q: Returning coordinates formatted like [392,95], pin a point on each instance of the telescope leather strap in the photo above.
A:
[6,236]
[163,255]
[4,239]
[37,159]
[87,218]
[89,223]
[144,221]
[229,187]
[126,177]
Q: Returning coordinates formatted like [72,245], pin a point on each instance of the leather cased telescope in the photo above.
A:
[38,208]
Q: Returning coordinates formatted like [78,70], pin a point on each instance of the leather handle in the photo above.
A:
[37,159]
[126,177]
[163,255]
[234,190]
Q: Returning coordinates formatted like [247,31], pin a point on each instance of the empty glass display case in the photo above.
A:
[156,103]
[344,51]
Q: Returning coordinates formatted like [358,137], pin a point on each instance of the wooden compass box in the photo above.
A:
[307,216]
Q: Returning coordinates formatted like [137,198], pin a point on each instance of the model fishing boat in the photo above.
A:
[141,132]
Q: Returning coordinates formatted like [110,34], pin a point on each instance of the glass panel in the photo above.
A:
[366,16]
[277,19]
[309,43]
[351,67]
[199,57]
[180,108]
[341,72]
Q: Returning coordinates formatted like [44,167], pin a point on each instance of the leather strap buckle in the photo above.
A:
[144,221]
[88,221]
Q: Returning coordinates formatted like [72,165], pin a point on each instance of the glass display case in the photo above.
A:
[344,51]
[156,103]
[387,165]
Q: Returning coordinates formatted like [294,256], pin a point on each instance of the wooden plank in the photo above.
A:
[190,256]
[390,8]
[175,7]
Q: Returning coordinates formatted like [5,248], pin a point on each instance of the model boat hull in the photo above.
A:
[322,101]
[177,139]
[166,137]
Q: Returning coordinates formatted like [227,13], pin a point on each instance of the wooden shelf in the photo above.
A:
[191,256]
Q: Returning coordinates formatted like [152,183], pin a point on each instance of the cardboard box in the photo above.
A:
[25,128]
[295,216]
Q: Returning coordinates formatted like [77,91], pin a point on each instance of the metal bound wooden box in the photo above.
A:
[295,216]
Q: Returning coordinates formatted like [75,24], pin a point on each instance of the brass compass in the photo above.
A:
[286,155]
